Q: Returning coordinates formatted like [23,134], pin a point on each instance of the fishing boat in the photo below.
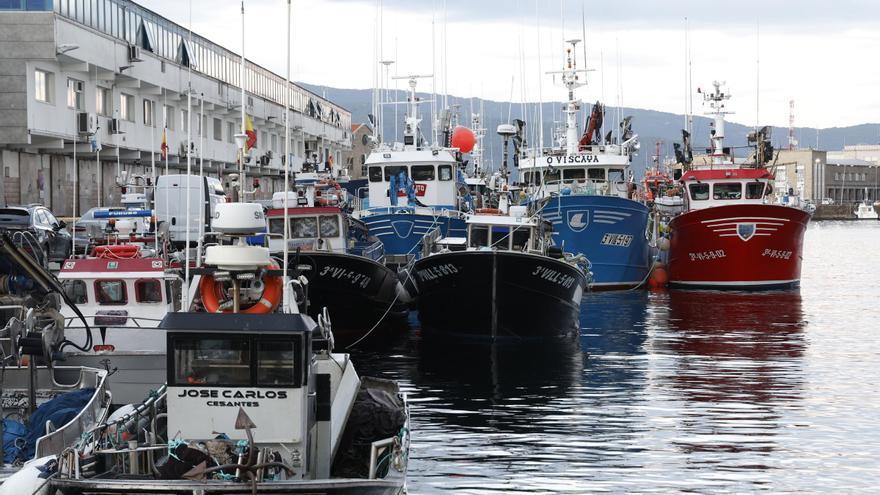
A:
[730,236]
[584,186]
[866,210]
[503,281]
[343,263]
[413,188]
[255,400]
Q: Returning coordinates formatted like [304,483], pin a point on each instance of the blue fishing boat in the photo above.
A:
[584,186]
[413,188]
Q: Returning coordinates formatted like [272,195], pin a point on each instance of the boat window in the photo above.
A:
[211,361]
[445,172]
[501,237]
[329,225]
[699,192]
[148,291]
[551,176]
[520,238]
[527,177]
[276,226]
[394,170]
[375,174]
[479,236]
[305,227]
[754,190]
[727,190]
[75,290]
[574,174]
[275,362]
[110,292]
[616,175]
[596,174]
[423,172]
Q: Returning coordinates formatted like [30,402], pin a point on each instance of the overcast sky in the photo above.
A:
[821,54]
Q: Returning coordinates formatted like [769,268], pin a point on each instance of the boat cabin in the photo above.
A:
[424,177]
[494,231]
[582,173]
[219,364]
[321,229]
[719,187]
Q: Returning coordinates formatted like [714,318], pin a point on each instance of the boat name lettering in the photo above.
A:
[232,394]
[707,255]
[777,254]
[570,159]
[339,273]
[619,240]
[554,276]
[439,271]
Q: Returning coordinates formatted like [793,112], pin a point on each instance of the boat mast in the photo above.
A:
[716,101]
[571,80]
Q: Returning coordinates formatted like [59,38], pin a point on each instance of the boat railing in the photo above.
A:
[139,321]
[372,250]
[94,412]
[417,210]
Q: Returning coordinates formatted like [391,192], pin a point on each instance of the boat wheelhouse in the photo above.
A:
[730,235]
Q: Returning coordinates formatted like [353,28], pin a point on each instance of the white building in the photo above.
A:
[75,74]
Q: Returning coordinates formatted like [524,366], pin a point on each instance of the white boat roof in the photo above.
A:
[579,160]
[425,155]
[502,220]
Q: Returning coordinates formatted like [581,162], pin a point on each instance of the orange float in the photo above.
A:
[463,139]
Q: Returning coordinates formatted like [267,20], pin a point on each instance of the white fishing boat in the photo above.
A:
[866,210]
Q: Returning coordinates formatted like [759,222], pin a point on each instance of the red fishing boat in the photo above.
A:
[731,235]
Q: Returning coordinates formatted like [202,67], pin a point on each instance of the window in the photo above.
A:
[168,116]
[126,107]
[329,225]
[520,238]
[596,173]
[276,226]
[230,132]
[570,174]
[103,105]
[699,192]
[218,130]
[276,362]
[275,143]
[184,120]
[754,190]
[551,176]
[75,290]
[445,172]
[727,190]
[423,172]
[41,219]
[616,174]
[148,291]
[501,237]
[43,86]
[214,361]
[375,174]
[264,140]
[148,113]
[75,96]
[305,227]
[394,170]
[479,235]
[110,292]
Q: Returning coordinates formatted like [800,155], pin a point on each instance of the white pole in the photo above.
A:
[153,167]
[285,299]
[243,124]
[202,192]
[185,298]
[75,194]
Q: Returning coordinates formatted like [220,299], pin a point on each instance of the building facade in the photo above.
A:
[824,176]
[87,90]
[356,159]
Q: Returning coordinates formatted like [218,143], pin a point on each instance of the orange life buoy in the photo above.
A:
[116,251]
[209,290]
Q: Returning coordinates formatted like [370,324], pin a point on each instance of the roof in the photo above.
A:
[726,173]
[111,266]
[355,127]
[503,220]
[852,162]
[238,323]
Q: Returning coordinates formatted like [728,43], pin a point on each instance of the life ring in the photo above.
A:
[116,251]
[487,211]
[273,285]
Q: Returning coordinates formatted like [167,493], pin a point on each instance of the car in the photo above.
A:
[827,201]
[36,229]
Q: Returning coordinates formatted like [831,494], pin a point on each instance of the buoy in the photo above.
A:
[659,277]
[463,139]
[273,288]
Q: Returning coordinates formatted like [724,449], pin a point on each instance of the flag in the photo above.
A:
[251,133]
[164,146]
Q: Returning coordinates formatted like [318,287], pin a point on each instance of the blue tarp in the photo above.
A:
[59,411]
[13,440]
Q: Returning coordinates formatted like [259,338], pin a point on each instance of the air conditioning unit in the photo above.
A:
[264,160]
[113,126]
[86,123]
[134,53]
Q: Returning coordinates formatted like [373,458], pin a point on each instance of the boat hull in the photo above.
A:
[610,231]
[499,295]
[359,293]
[332,486]
[737,247]
[401,231]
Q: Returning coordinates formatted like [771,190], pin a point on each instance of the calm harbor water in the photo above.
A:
[680,391]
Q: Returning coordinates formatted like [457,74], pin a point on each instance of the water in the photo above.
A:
[665,392]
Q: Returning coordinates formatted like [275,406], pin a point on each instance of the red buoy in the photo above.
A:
[463,139]
[659,278]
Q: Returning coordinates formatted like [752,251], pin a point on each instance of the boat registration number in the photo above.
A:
[707,255]
[339,273]
[777,254]
[618,240]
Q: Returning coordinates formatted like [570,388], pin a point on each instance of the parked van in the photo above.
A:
[170,202]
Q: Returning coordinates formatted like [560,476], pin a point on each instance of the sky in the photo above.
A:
[820,54]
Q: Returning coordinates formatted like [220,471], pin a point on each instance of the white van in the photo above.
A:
[170,203]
